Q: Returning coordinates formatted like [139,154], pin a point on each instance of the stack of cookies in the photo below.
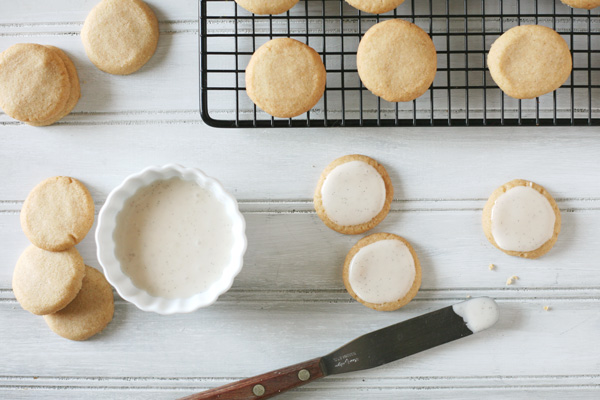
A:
[38,84]
[50,277]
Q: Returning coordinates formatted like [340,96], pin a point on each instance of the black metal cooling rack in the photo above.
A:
[462,94]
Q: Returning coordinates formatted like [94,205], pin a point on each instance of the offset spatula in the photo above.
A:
[368,351]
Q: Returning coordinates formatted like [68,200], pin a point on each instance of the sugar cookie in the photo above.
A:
[396,60]
[375,6]
[585,4]
[34,83]
[45,281]
[382,271]
[57,213]
[120,36]
[75,89]
[522,219]
[89,313]
[528,61]
[266,7]
[285,77]
[354,194]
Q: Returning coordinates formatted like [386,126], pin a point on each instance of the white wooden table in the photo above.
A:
[289,303]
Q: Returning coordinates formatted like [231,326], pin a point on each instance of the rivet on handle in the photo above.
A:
[303,375]
[258,390]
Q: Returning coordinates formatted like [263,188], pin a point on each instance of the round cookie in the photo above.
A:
[585,4]
[285,77]
[75,89]
[528,61]
[382,271]
[516,218]
[57,213]
[120,36]
[375,6]
[34,83]
[350,211]
[89,313]
[45,281]
[396,60]
[267,7]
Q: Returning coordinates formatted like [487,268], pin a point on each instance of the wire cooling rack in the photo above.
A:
[462,94]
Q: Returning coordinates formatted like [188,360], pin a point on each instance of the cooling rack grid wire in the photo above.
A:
[462,93]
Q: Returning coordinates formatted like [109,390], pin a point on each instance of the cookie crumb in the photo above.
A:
[547,308]
[492,267]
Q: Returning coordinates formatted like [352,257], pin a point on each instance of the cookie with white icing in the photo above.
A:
[522,219]
[382,272]
[354,194]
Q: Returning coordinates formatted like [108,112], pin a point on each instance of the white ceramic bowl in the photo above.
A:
[107,222]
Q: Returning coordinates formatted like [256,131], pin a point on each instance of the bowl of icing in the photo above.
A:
[170,239]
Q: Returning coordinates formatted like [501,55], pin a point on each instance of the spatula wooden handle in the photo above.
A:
[265,385]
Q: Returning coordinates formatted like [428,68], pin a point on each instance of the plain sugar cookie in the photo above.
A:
[57,213]
[266,7]
[522,219]
[396,60]
[34,83]
[285,77]
[75,89]
[528,61]
[375,6]
[382,272]
[45,281]
[354,194]
[120,36]
[89,313]
[585,4]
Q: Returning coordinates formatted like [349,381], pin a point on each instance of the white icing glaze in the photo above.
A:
[353,193]
[522,219]
[173,238]
[479,313]
[382,272]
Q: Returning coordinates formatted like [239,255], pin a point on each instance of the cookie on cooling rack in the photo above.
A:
[382,272]
[396,60]
[528,61]
[266,7]
[285,77]
[375,6]
[585,4]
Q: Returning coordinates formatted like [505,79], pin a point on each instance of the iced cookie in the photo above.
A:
[354,194]
[45,281]
[266,7]
[396,60]
[57,213]
[285,77]
[375,6]
[585,4]
[528,61]
[382,272]
[89,313]
[521,219]
[75,89]
[120,36]
[34,83]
